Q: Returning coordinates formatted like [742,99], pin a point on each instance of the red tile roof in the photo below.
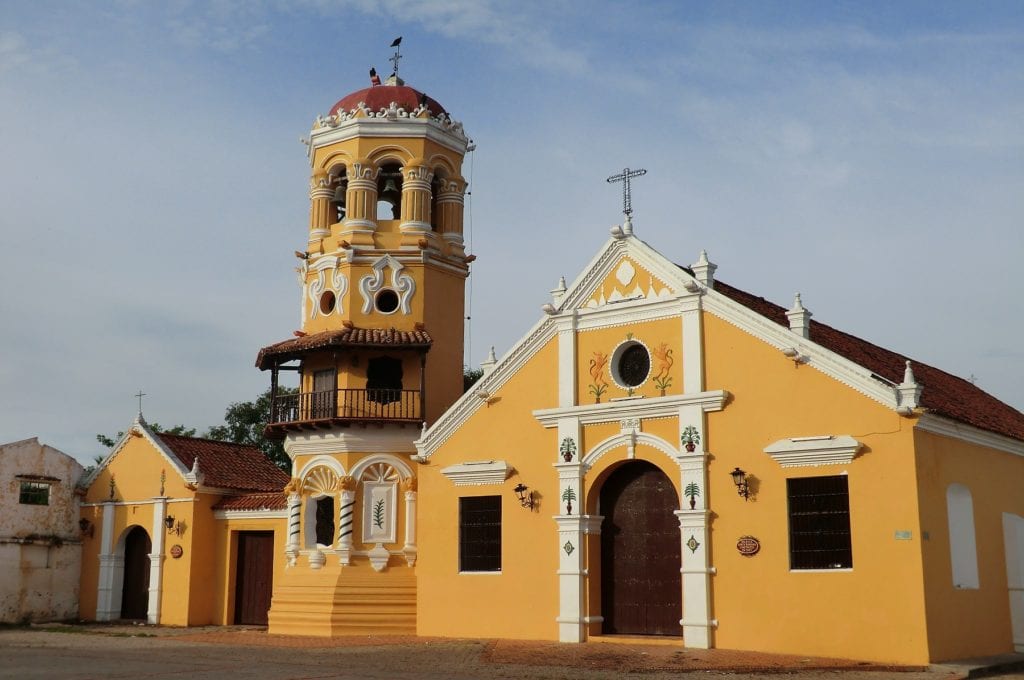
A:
[344,337]
[381,96]
[943,394]
[254,501]
[225,465]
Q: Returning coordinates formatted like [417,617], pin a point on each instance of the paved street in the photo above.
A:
[125,652]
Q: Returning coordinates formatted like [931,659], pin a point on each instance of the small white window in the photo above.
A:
[963,550]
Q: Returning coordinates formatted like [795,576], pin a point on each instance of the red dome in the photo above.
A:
[380,97]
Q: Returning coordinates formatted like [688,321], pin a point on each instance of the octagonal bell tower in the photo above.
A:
[379,352]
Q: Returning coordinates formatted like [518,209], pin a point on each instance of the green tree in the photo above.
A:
[470,376]
[244,422]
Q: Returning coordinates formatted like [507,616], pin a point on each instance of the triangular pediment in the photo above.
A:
[626,280]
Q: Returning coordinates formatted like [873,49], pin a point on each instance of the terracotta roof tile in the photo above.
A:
[227,466]
[253,502]
[344,337]
[943,394]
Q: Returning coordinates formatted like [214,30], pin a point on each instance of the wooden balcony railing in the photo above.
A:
[347,404]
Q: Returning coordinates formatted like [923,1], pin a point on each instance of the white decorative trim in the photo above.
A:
[403,285]
[380,503]
[468,403]
[379,556]
[325,461]
[139,428]
[653,407]
[478,473]
[389,439]
[813,451]
[445,132]
[250,514]
[400,466]
[929,422]
[630,440]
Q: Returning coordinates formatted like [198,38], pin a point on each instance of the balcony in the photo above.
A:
[315,410]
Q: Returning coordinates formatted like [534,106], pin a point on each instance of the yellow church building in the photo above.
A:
[661,454]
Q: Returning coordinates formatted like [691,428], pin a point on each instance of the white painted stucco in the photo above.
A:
[40,545]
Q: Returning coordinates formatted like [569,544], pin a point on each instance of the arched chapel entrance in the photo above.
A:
[135,589]
[641,587]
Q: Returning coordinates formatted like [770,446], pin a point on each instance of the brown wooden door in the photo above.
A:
[135,589]
[325,393]
[641,588]
[254,577]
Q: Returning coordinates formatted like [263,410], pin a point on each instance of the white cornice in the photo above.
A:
[250,514]
[945,427]
[478,473]
[382,127]
[390,439]
[654,407]
[813,451]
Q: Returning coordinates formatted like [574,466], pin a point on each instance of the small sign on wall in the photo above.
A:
[748,546]
[177,551]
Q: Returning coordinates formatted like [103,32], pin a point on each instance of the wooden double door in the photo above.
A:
[641,587]
[254,577]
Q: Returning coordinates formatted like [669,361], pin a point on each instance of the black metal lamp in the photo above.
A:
[739,478]
[524,495]
[169,522]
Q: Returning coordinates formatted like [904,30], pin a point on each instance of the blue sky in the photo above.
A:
[153,185]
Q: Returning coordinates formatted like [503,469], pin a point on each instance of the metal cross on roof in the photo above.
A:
[397,44]
[140,395]
[624,177]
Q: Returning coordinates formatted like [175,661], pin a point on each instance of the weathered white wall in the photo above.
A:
[40,545]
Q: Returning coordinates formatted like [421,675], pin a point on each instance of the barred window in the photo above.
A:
[819,523]
[34,493]
[480,533]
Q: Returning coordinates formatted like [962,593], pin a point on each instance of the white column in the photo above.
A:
[346,507]
[410,528]
[693,355]
[108,568]
[156,560]
[294,528]
[567,359]
[693,531]
[571,555]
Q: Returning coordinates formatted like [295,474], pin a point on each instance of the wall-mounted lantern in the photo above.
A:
[739,478]
[174,526]
[524,495]
[86,527]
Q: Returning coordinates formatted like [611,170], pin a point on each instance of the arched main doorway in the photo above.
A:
[641,588]
[135,589]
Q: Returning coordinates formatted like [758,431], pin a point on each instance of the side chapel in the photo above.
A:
[661,454]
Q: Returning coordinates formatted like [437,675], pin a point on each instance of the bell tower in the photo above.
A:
[379,352]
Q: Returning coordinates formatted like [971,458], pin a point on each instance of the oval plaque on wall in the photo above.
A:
[176,551]
[748,546]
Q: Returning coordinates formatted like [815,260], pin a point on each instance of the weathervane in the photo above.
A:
[396,57]
[624,177]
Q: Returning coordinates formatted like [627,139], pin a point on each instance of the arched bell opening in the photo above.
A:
[389,192]
[436,187]
[338,177]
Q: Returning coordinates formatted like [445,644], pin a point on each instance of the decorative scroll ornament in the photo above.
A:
[403,284]
[316,288]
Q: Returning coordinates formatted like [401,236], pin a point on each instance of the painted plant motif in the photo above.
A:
[663,364]
[378,514]
[692,490]
[568,496]
[567,449]
[690,438]
[599,385]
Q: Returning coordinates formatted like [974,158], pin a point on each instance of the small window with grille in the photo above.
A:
[819,523]
[34,493]
[480,533]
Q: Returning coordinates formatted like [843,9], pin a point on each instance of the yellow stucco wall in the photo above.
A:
[967,621]
[522,600]
[874,611]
